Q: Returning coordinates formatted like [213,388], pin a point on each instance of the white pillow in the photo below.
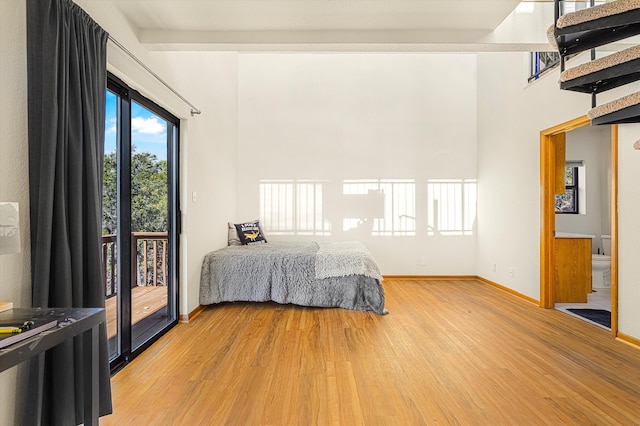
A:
[233,235]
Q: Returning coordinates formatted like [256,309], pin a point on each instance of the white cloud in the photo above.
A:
[148,126]
[111,125]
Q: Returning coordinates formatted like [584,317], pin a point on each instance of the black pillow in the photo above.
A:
[250,233]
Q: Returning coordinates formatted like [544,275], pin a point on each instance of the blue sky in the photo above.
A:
[148,131]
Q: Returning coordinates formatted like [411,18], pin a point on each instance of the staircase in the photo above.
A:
[587,29]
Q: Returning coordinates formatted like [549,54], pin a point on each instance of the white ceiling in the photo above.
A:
[331,25]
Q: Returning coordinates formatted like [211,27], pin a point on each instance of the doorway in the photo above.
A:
[552,173]
[140,221]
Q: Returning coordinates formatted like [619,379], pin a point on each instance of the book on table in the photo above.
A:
[30,325]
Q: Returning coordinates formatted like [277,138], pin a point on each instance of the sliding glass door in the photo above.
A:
[140,221]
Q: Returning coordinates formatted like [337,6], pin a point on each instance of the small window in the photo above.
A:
[541,62]
[567,203]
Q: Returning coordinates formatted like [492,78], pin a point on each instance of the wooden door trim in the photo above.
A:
[614,230]
[548,140]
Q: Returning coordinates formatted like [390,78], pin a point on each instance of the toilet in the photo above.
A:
[601,265]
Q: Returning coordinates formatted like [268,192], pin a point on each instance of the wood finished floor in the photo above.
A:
[449,352]
[145,301]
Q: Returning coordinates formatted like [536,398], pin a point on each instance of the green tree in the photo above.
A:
[149,199]
[109,194]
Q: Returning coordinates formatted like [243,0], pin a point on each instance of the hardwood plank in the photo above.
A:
[145,301]
[449,352]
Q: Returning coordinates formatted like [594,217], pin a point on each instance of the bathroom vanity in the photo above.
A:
[573,267]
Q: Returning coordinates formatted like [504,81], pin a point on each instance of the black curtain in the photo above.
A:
[67,75]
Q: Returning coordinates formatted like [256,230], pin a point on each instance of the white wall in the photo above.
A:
[208,141]
[15,269]
[510,118]
[208,145]
[336,117]
[592,145]
[628,231]
[209,168]
[208,148]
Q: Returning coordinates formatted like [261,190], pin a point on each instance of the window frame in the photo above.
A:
[571,188]
[128,349]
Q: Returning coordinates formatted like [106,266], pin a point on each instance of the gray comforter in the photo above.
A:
[340,274]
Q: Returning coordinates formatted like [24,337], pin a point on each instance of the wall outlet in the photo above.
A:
[512,272]
[422,261]
[494,267]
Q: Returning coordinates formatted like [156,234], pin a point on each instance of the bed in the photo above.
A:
[335,274]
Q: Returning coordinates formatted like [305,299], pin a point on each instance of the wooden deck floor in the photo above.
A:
[448,353]
[146,301]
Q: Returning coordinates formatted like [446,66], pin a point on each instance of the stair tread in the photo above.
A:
[596,26]
[597,12]
[623,110]
[609,61]
[604,73]
[593,27]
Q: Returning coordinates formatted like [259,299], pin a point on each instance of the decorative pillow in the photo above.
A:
[250,233]
[233,235]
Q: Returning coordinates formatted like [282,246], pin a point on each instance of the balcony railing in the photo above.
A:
[109,257]
[149,254]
